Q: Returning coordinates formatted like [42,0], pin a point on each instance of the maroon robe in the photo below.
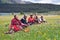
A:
[15,24]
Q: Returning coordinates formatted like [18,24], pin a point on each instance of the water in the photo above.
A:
[4,14]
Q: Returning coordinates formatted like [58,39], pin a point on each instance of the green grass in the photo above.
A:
[44,31]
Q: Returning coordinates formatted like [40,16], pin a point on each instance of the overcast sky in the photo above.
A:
[45,1]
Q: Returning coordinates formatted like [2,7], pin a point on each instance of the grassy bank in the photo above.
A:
[44,31]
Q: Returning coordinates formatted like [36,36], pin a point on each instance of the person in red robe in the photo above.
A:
[31,20]
[15,25]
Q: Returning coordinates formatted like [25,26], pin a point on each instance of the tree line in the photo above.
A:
[39,8]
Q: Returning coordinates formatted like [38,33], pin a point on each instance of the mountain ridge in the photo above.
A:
[14,2]
[9,8]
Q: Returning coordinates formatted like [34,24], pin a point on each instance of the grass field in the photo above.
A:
[44,31]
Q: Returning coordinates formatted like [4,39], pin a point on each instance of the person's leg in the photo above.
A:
[25,26]
[10,31]
[36,21]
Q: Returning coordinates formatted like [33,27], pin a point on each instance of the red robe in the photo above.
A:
[30,19]
[15,24]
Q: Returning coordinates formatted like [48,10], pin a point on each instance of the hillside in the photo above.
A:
[8,8]
[14,2]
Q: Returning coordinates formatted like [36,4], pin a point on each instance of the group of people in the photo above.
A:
[17,25]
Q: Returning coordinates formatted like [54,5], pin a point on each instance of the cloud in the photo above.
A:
[44,1]
[40,1]
[57,3]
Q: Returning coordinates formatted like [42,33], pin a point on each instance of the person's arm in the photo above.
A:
[28,19]
[12,22]
[21,20]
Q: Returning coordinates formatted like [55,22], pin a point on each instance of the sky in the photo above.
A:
[45,1]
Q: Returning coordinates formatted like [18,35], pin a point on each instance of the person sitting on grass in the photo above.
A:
[36,20]
[42,19]
[31,20]
[16,25]
[24,21]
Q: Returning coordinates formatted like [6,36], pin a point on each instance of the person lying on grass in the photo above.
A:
[31,20]
[15,26]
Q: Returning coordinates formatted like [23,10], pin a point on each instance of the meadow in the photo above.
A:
[44,31]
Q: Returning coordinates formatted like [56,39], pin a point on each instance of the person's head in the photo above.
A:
[35,16]
[41,16]
[25,17]
[31,16]
[15,16]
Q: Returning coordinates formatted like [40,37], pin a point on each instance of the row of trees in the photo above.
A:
[19,13]
[40,8]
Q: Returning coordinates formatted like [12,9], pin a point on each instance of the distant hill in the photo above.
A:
[40,8]
[14,2]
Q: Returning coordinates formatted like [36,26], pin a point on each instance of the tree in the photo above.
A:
[21,12]
[12,13]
